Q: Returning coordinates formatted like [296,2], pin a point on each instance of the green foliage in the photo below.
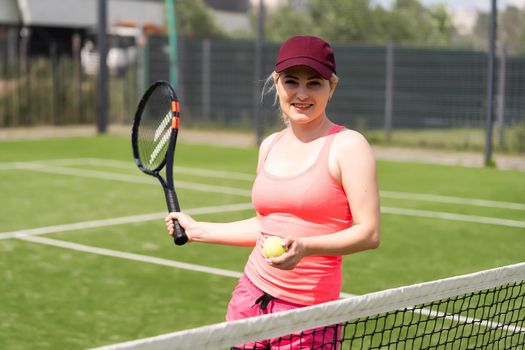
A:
[50,94]
[510,30]
[52,295]
[195,20]
[411,22]
[360,21]
[453,139]
[406,22]
[518,138]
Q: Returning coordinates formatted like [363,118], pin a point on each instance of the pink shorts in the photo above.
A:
[249,301]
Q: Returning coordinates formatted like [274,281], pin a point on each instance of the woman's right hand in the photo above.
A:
[184,220]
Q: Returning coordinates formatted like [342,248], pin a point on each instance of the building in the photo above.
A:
[45,27]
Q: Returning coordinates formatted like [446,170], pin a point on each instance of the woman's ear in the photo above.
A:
[275,76]
[333,85]
[332,91]
[334,80]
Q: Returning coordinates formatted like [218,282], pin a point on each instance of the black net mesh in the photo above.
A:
[488,319]
[483,310]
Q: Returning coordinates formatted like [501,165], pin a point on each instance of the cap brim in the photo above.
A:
[320,68]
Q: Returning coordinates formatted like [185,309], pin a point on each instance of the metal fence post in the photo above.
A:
[56,117]
[103,91]
[24,76]
[77,77]
[500,111]
[490,84]
[389,90]
[142,62]
[172,39]
[206,79]
[259,49]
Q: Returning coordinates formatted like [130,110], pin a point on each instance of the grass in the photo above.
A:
[456,139]
[60,298]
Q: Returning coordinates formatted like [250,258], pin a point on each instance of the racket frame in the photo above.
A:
[172,202]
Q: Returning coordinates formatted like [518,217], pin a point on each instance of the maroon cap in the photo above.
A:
[306,50]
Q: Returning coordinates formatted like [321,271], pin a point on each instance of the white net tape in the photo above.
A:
[226,334]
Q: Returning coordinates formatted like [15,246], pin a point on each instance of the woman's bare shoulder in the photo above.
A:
[348,139]
[267,141]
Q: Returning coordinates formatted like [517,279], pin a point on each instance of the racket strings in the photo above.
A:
[155,128]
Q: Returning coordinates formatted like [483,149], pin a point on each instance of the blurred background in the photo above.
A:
[85,259]
[413,72]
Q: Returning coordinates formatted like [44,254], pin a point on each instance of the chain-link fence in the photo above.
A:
[54,82]
[383,89]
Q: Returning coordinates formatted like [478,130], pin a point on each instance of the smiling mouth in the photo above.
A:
[302,105]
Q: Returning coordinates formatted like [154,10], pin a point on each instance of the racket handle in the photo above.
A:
[179,235]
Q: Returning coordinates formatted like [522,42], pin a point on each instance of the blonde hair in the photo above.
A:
[269,87]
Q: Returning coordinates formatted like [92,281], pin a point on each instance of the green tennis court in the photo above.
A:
[86,260]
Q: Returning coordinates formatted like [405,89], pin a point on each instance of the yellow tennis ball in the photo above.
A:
[273,247]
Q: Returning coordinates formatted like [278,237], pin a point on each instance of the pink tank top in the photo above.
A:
[310,203]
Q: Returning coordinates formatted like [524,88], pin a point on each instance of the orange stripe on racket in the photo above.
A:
[175,107]
[175,122]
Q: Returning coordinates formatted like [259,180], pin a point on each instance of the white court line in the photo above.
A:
[229,273]
[129,256]
[136,257]
[148,180]
[119,164]
[247,193]
[452,200]
[453,217]
[249,177]
[472,320]
[28,235]
[121,220]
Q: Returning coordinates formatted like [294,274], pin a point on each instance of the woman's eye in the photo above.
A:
[290,82]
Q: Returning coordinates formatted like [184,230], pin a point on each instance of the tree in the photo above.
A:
[510,26]
[410,22]
[285,22]
[195,20]
[335,20]
[520,48]
[360,21]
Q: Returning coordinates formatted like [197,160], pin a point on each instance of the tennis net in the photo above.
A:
[483,310]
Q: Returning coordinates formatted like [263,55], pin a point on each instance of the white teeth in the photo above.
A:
[301,105]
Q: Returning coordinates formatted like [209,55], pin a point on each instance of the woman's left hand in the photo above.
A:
[295,251]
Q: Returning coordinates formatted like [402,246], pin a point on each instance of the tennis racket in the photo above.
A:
[153,139]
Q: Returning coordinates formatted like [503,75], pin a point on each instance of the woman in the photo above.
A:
[315,187]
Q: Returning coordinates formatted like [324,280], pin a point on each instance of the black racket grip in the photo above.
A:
[179,235]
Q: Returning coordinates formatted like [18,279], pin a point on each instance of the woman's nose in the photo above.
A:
[301,92]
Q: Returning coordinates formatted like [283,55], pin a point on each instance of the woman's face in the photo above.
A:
[303,94]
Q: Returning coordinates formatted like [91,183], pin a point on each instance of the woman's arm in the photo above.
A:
[356,170]
[357,173]
[239,233]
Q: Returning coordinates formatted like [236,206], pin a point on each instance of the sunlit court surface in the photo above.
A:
[435,87]
[84,245]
